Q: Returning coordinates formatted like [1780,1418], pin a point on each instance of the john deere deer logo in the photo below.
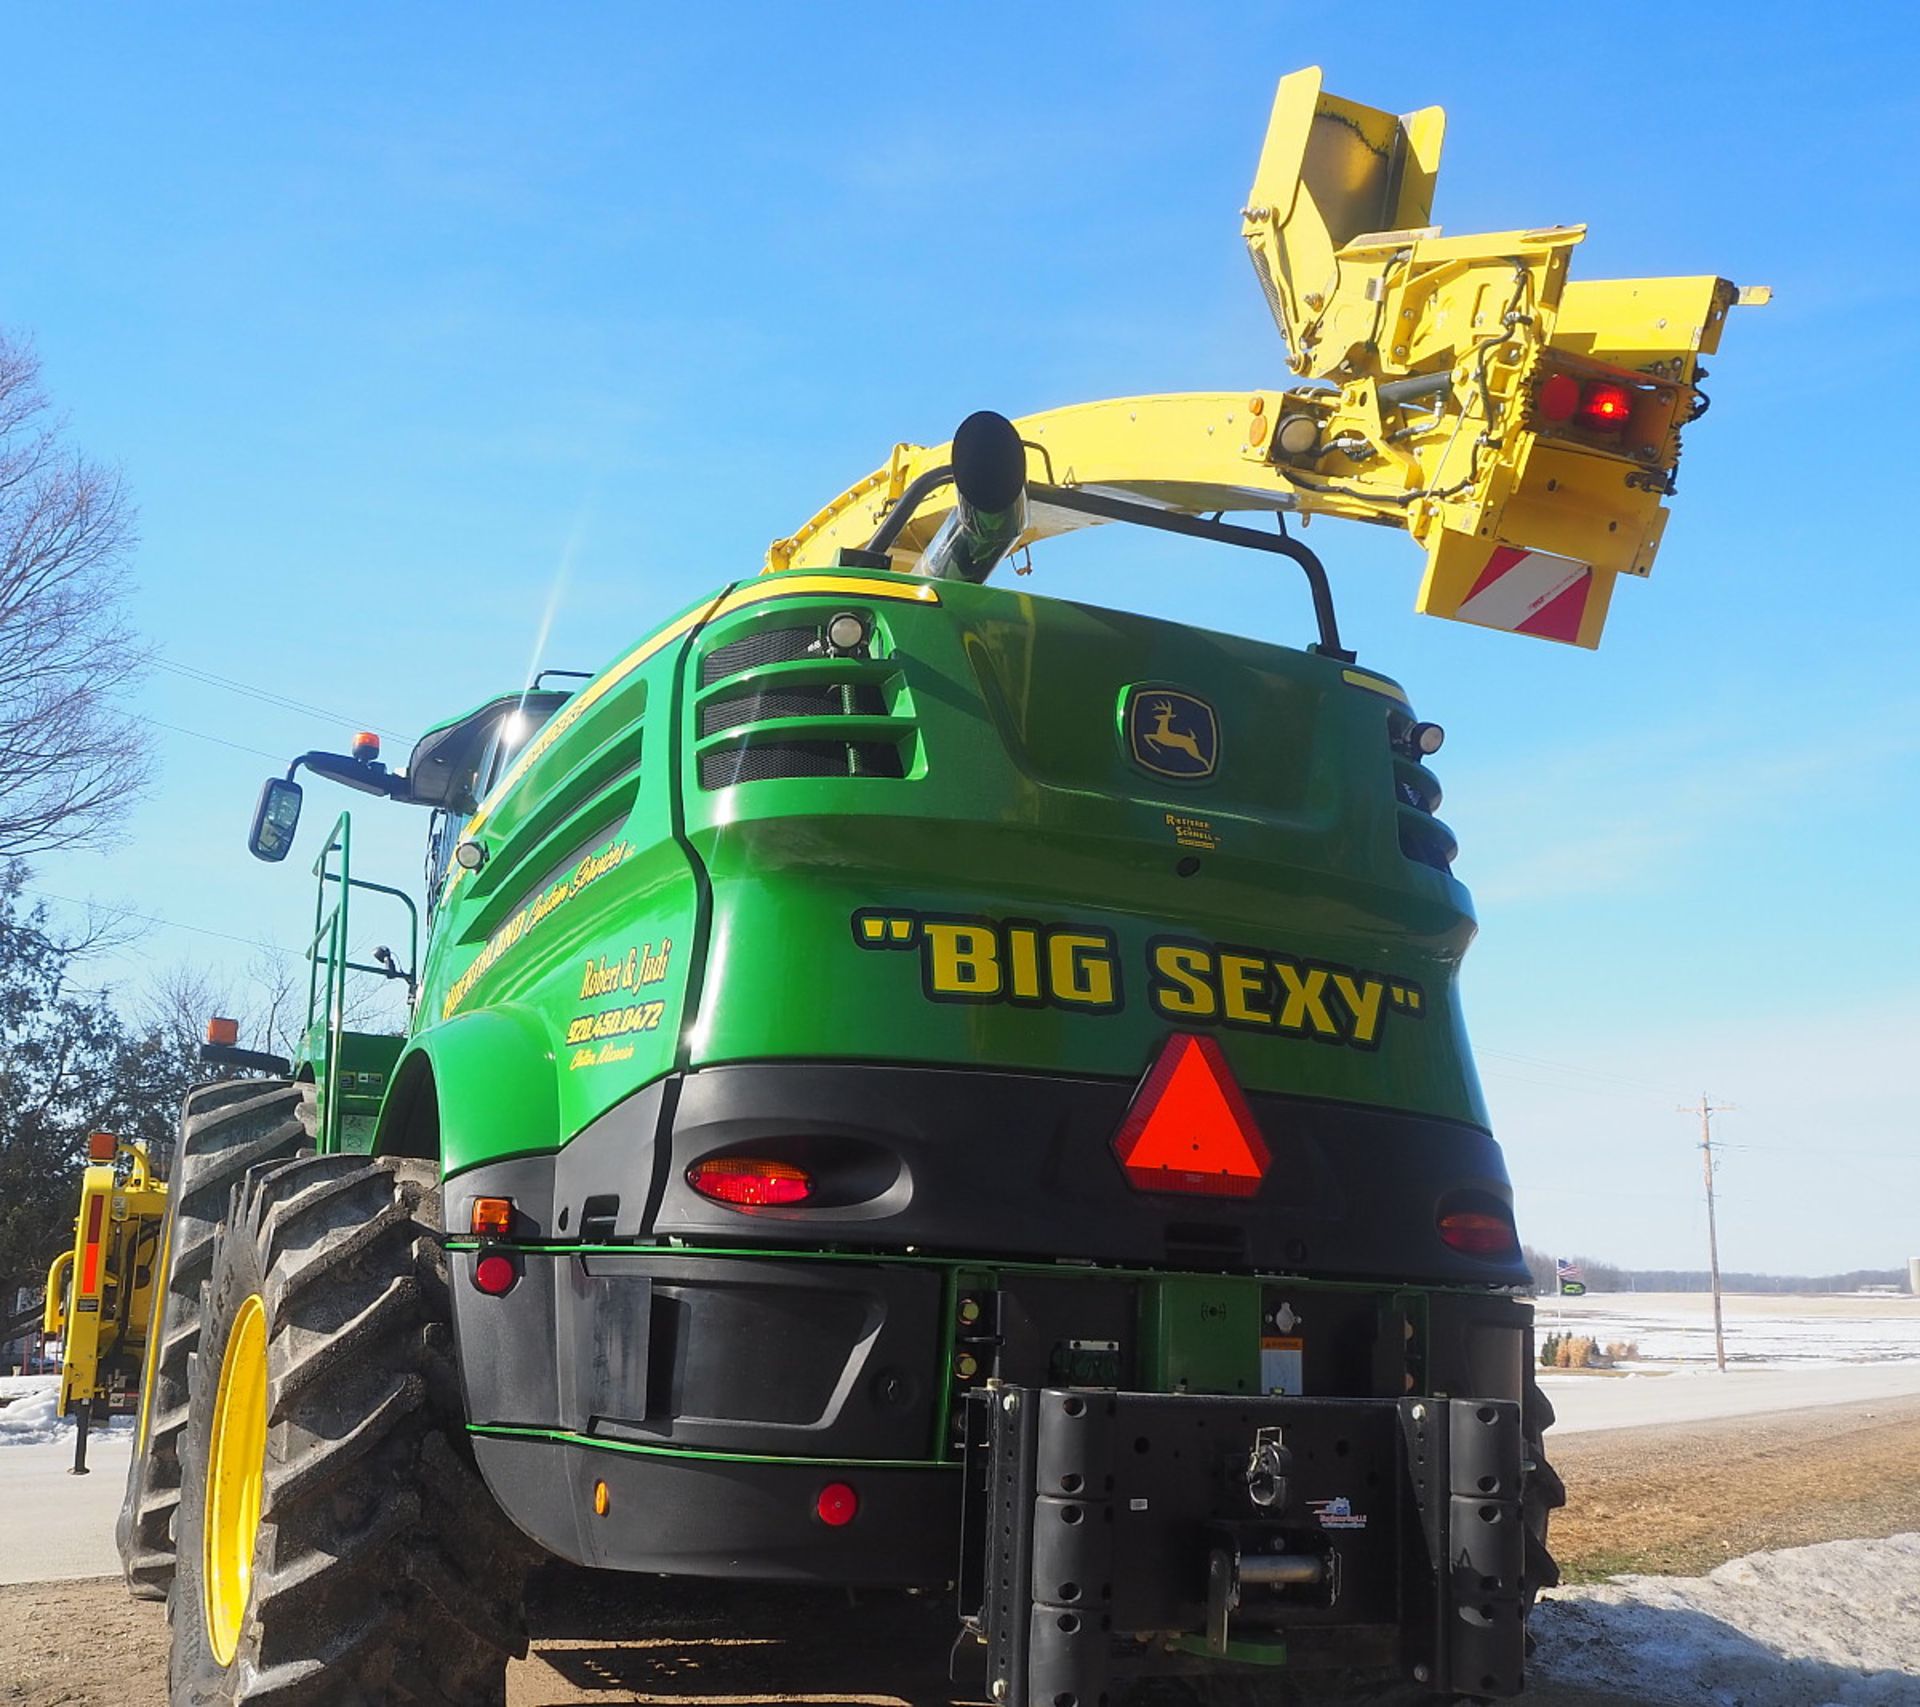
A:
[1171,733]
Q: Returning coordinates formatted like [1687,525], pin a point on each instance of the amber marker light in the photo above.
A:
[223,1032]
[492,1217]
[100,1146]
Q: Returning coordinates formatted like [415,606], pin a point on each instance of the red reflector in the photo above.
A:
[750,1182]
[101,1146]
[1558,397]
[495,1274]
[1476,1234]
[1189,1129]
[1604,406]
[837,1505]
[90,1257]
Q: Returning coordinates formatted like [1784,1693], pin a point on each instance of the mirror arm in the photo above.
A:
[373,779]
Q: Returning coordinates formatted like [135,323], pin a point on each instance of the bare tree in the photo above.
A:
[69,757]
[180,999]
[269,1001]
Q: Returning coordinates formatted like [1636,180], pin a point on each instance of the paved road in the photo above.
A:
[54,1526]
[1585,1403]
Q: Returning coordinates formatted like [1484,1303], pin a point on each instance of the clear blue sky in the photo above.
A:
[400,318]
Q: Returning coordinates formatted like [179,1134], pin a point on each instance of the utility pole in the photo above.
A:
[1707,1111]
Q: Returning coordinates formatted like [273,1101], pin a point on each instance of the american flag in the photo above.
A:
[1571,1281]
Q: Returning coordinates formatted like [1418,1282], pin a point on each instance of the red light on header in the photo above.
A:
[1558,397]
[1189,1129]
[1604,407]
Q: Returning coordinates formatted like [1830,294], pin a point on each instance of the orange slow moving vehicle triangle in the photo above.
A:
[1189,1129]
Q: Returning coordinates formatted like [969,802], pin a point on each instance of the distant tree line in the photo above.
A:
[1609,1277]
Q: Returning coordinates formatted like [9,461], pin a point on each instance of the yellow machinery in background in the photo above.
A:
[100,1293]
[1522,425]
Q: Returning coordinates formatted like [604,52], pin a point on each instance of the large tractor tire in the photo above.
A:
[337,1544]
[225,1129]
[1542,1493]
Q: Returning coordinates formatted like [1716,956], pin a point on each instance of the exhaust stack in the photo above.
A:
[990,510]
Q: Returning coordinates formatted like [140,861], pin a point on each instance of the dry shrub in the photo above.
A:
[1575,1353]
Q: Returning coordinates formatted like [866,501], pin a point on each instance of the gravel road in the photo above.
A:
[85,1644]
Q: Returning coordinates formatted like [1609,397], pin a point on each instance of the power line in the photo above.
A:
[148,918]
[202,735]
[1568,1067]
[1800,1150]
[267,696]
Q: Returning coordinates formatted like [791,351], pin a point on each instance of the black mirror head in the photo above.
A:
[275,819]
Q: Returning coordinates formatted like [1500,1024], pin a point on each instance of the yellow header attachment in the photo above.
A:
[1524,427]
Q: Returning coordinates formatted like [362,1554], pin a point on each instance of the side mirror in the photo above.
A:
[275,819]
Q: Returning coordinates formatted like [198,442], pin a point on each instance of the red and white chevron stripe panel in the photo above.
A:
[1529,592]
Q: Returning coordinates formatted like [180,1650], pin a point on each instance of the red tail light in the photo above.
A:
[1476,1233]
[750,1182]
[1604,407]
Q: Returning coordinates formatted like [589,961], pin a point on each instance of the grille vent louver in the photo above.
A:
[818,693]
[772,646]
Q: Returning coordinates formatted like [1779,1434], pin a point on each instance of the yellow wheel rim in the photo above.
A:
[236,1469]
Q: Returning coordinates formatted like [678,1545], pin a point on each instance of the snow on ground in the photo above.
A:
[26,1413]
[1774,1331]
[1835,1625]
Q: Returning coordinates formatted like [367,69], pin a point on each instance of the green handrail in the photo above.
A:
[328,963]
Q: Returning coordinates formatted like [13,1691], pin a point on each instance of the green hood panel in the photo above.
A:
[1009,832]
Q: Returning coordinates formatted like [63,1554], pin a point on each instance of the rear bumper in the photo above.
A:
[705,1517]
[714,1395]
[1006,1164]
